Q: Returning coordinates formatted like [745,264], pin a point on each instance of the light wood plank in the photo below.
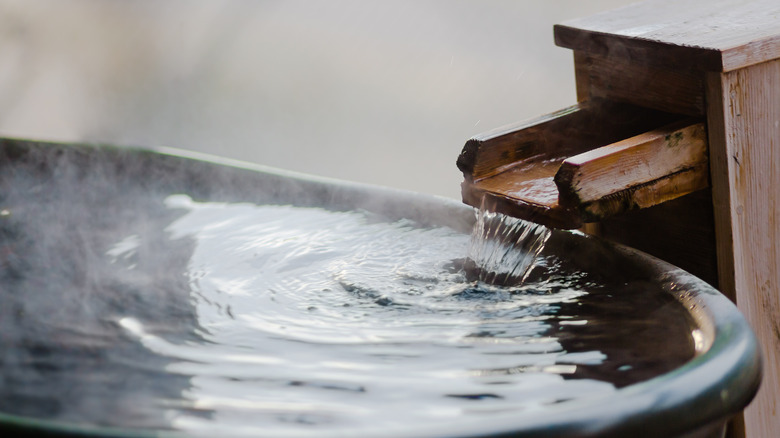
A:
[633,162]
[744,131]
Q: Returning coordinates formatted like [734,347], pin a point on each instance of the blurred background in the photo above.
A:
[382,92]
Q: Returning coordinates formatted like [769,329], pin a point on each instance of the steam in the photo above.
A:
[98,281]
[79,254]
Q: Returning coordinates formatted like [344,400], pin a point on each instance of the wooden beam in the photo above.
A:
[637,172]
[516,165]
[561,134]
[566,191]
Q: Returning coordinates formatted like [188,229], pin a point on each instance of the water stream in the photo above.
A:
[503,249]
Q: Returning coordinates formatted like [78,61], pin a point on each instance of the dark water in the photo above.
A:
[165,313]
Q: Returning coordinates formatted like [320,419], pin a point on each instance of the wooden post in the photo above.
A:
[744,121]
[721,59]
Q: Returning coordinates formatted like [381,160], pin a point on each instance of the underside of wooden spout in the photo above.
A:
[585,163]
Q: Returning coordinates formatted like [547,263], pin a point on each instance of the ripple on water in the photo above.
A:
[278,319]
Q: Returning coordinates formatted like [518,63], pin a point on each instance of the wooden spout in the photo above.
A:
[585,163]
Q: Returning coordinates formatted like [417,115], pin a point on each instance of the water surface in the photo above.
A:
[164,312]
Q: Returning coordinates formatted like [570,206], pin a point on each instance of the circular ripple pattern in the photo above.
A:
[215,318]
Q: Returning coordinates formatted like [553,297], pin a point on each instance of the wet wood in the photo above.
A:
[744,130]
[538,179]
[548,215]
[638,172]
[646,195]
[711,35]
[558,135]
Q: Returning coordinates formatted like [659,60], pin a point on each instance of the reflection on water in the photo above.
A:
[215,317]
[344,320]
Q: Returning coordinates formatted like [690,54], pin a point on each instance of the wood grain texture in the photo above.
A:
[638,172]
[516,164]
[582,76]
[552,216]
[744,130]
[662,88]
[711,35]
[561,134]
[646,195]
[495,151]
[635,161]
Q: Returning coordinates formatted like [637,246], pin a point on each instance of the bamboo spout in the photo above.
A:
[585,163]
